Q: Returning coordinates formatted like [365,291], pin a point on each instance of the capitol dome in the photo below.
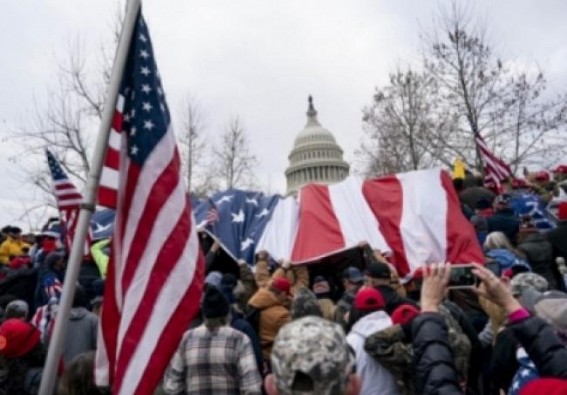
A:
[315,157]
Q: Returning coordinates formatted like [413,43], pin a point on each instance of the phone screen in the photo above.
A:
[462,276]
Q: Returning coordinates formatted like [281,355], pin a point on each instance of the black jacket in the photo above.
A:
[434,362]
[543,346]
[558,239]
[539,252]
[434,365]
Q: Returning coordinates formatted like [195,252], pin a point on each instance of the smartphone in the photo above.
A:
[462,276]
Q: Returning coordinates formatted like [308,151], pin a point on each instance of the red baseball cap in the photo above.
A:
[369,299]
[404,313]
[281,284]
[17,338]
[546,386]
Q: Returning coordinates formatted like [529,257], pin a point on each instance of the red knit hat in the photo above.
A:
[404,313]
[17,338]
[281,284]
[545,386]
[369,299]
[562,211]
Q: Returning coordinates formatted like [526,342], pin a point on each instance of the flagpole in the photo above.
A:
[87,208]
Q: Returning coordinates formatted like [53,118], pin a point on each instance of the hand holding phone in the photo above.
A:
[462,277]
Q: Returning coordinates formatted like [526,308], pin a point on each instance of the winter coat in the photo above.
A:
[81,334]
[435,369]
[11,247]
[392,347]
[273,315]
[434,363]
[543,346]
[558,239]
[505,221]
[375,379]
[239,323]
[539,253]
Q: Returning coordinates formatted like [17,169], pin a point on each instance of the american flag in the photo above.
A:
[156,270]
[212,215]
[495,169]
[69,201]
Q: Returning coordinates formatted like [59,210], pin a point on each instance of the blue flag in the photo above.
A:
[236,219]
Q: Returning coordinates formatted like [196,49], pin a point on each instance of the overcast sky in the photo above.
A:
[256,59]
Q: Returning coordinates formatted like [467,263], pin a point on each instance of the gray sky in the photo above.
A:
[256,59]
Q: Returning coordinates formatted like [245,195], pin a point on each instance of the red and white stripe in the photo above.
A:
[420,216]
[109,178]
[415,217]
[495,169]
[155,273]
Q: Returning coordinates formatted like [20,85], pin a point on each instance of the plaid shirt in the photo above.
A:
[219,362]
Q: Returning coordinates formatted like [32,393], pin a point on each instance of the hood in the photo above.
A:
[78,313]
[371,323]
[263,299]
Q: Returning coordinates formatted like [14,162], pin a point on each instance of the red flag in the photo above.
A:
[156,269]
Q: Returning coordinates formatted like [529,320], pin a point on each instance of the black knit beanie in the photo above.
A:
[215,304]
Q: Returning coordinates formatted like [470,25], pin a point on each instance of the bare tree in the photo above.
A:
[402,127]
[66,123]
[234,162]
[486,96]
[195,151]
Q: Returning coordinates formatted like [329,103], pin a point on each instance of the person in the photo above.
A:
[305,303]
[504,219]
[17,309]
[368,317]
[272,305]
[297,276]
[22,357]
[12,246]
[322,291]
[50,279]
[539,253]
[434,364]
[213,358]
[238,320]
[558,236]
[82,328]
[100,251]
[352,282]
[378,275]
[78,378]
[312,357]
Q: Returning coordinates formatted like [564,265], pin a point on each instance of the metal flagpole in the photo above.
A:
[87,208]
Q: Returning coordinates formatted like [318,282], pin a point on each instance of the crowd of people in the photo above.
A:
[353,328]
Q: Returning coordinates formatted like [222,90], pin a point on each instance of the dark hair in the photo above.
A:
[78,378]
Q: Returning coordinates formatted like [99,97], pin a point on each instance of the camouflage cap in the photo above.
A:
[305,303]
[523,281]
[316,348]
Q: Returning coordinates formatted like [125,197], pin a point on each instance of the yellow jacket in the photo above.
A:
[11,247]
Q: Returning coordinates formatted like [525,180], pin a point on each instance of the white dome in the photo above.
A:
[315,157]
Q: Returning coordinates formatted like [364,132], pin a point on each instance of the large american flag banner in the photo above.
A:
[156,269]
[495,169]
[69,201]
